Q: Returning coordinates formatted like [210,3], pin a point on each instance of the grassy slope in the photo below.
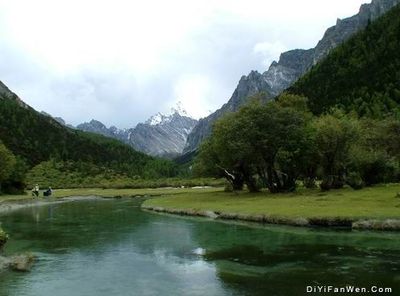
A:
[372,203]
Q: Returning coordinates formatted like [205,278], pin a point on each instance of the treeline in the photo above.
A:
[12,171]
[38,138]
[339,124]
[361,75]
[70,174]
[281,143]
[16,175]
[30,139]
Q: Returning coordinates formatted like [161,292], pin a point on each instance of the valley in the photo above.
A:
[290,186]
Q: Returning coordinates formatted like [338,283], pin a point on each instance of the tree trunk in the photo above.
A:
[234,178]
[270,177]
[249,181]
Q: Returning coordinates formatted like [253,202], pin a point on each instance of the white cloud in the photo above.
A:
[192,91]
[120,61]
[269,51]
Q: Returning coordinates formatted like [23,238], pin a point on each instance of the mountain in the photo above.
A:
[291,66]
[35,138]
[248,85]
[97,127]
[361,75]
[58,119]
[161,135]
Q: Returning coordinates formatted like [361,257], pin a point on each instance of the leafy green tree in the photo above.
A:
[306,158]
[16,182]
[235,154]
[334,136]
[262,142]
[160,168]
[375,157]
[7,163]
[207,163]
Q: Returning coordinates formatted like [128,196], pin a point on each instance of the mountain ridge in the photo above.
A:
[161,135]
[291,66]
[361,75]
[34,138]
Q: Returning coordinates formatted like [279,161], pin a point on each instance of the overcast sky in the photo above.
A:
[121,61]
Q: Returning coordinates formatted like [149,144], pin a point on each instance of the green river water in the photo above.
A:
[111,247]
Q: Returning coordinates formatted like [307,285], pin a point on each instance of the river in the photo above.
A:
[111,247]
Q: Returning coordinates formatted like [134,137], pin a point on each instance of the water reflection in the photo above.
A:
[113,248]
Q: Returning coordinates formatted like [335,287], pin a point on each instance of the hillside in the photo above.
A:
[363,74]
[37,138]
[290,67]
[312,132]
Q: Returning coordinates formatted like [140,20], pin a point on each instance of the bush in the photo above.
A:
[3,238]
[354,181]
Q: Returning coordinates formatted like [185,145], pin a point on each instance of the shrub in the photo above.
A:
[3,238]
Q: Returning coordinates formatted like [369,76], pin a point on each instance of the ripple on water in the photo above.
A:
[112,248]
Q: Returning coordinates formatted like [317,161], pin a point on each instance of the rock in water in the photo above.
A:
[4,262]
[22,262]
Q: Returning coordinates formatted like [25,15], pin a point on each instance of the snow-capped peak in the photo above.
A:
[160,118]
[156,119]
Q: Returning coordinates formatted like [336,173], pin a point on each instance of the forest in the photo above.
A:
[281,144]
[360,75]
[30,140]
[338,125]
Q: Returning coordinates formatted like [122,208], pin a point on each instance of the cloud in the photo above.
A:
[269,51]
[120,61]
[192,89]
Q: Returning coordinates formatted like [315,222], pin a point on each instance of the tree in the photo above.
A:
[15,183]
[7,163]
[335,134]
[375,157]
[207,163]
[261,143]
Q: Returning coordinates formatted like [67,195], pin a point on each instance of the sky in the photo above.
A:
[121,61]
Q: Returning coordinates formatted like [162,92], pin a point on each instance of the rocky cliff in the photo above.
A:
[161,135]
[97,127]
[290,67]
[248,86]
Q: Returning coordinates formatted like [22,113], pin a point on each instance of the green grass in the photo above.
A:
[378,202]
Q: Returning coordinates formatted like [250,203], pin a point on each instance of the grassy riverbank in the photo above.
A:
[60,193]
[375,205]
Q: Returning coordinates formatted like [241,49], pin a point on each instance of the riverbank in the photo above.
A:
[13,205]
[375,208]
[14,202]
